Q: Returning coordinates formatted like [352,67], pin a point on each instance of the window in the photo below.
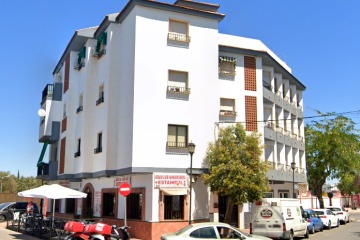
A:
[178,31]
[228,233]
[108,205]
[173,207]
[101,95]
[205,232]
[178,82]
[80,108]
[227,65]
[100,45]
[283,193]
[267,80]
[268,195]
[77,154]
[98,149]
[134,205]
[227,107]
[64,111]
[81,59]
[70,205]
[177,136]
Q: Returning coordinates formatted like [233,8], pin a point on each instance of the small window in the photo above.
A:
[98,149]
[64,111]
[227,65]
[173,207]
[109,200]
[70,205]
[177,136]
[178,82]
[77,153]
[178,31]
[101,95]
[80,107]
[227,107]
[134,205]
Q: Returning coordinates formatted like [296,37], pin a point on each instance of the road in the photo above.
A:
[349,231]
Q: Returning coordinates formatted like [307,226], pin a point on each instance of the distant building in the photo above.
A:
[129,95]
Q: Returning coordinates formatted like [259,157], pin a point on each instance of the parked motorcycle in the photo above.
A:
[95,231]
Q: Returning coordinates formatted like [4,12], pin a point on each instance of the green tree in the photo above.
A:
[26,183]
[332,151]
[235,168]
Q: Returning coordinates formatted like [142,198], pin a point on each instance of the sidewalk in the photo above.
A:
[6,234]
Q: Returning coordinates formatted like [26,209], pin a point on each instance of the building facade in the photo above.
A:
[130,94]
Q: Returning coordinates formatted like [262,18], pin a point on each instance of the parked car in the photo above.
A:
[328,218]
[342,213]
[210,230]
[314,221]
[10,209]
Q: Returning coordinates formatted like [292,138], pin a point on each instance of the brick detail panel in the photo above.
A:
[63,124]
[251,113]
[67,74]
[250,73]
[62,156]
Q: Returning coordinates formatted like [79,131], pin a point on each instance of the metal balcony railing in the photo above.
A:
[226,113]
[77,154]
[100,100]
[267,86]
[178,37]
[98,150]
[79,109]
[178,90]
[48,91]
[176,144]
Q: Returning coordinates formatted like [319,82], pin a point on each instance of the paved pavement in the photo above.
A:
[6,234]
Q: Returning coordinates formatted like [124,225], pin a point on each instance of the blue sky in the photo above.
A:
[318,39]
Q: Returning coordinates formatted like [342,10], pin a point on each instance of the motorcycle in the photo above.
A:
[95,231]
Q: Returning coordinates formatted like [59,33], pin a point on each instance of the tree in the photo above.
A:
[235,168]
[25,183]
[332,151]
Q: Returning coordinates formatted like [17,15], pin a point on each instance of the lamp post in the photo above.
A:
[191,149]
[2,182]
[293,168]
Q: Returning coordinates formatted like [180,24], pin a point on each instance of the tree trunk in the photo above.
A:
[228,213]
[319,195]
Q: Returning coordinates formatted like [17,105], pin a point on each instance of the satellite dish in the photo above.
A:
[41,112]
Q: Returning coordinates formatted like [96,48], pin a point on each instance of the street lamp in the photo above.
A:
[191,149]
[2,182]
[293,168]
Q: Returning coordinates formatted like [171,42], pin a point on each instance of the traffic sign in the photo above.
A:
[124,189]
[296,186]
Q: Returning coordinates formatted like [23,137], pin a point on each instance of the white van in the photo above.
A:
[278,218]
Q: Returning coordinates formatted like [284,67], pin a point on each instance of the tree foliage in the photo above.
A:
[332,151]
[235,168]
[12,184]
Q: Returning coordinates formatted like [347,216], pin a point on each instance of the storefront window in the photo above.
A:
[174,207]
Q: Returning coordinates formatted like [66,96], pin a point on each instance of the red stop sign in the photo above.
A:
[124,189]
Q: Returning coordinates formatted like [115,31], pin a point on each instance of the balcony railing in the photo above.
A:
[48,91]
[178,90]
[227,72]
[278,128]
[226,113]
[99,54]
[294,135]
[43,169]
[176,144]
[78,66]
[100,100]
[267,86]
[286,132]
[77,154]
[270,125]
[98,150]
[178,37]
[79,109]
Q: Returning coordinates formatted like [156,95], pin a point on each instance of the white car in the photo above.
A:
[328,218]
[210,230]
[342,213]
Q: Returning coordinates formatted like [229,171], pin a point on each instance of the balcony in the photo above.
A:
[79,109]
[178,37]
[226,113]
[98,150]
[48,92]
[267,86]
[77,154]
[43,171]
[176,144]
[78,66]
[99,54]
[100,100]
[178,90]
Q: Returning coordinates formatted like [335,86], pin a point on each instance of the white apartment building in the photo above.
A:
[130,94]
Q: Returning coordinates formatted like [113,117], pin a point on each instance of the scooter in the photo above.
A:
[96,231]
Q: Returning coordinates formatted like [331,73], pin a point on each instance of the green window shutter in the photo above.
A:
[104,38]
[98,46]
[40,161]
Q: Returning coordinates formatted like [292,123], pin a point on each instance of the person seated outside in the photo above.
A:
[30,207]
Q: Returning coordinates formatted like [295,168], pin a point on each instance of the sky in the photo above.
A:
[318,39]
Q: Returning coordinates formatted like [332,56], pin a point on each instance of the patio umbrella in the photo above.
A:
[53,191]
